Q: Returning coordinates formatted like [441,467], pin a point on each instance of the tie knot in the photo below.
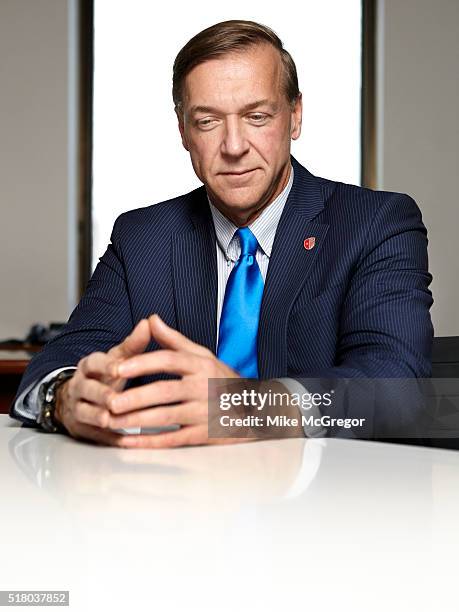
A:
[248,242]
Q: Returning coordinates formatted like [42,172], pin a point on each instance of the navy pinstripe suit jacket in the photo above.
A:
[356,304]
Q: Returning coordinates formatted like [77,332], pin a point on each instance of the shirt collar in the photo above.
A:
[263,228]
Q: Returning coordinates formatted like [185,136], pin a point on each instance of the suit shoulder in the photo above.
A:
[348,196]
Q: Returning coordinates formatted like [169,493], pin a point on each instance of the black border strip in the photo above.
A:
[368,95]
[85,139]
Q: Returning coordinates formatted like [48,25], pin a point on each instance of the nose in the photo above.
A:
[234,142]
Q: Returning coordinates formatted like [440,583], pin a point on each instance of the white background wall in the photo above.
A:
[418,144]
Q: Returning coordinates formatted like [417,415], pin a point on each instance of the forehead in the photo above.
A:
[236,78]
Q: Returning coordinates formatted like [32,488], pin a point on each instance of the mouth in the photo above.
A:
[238,172]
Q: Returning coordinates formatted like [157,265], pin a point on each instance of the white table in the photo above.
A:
[367,526]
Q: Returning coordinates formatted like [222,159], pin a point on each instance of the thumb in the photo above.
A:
[135,343]
[169,338]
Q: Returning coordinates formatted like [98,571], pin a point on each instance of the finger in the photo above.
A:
[95,392]
[170,338]
[164,361]
[187,436]
[89,414]
[164,416]
[135,343]
[95,365]
[157,393]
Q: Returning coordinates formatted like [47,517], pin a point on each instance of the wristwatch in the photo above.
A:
[47,401]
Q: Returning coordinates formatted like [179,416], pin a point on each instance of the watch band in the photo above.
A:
[47,402]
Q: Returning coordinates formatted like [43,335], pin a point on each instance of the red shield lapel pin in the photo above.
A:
[309,243]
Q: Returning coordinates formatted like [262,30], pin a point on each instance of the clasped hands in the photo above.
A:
[93,402]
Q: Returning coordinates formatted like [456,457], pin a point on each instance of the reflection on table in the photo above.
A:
[334,524]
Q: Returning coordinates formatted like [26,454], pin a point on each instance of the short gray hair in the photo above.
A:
[226,37]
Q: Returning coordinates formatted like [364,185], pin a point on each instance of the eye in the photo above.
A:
[258,118]
[206,122]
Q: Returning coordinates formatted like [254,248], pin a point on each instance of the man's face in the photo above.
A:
[237,125]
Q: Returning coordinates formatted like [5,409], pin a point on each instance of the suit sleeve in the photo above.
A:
[385,329]
[385,325]
[102,319]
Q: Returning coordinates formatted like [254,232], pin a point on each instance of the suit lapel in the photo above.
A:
[289,267]
[194,270]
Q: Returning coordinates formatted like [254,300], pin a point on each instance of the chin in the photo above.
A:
[241,197]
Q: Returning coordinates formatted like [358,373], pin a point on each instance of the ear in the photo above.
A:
[296,118]
[181,126]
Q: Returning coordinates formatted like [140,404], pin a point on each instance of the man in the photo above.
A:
[266,271]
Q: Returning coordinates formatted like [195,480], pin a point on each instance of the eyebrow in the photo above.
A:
[244,109]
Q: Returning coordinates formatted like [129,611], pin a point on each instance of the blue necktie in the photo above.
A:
[237,340]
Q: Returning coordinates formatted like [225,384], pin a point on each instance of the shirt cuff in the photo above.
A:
[27,405]
[312,415]
[310,464]
[312,450]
